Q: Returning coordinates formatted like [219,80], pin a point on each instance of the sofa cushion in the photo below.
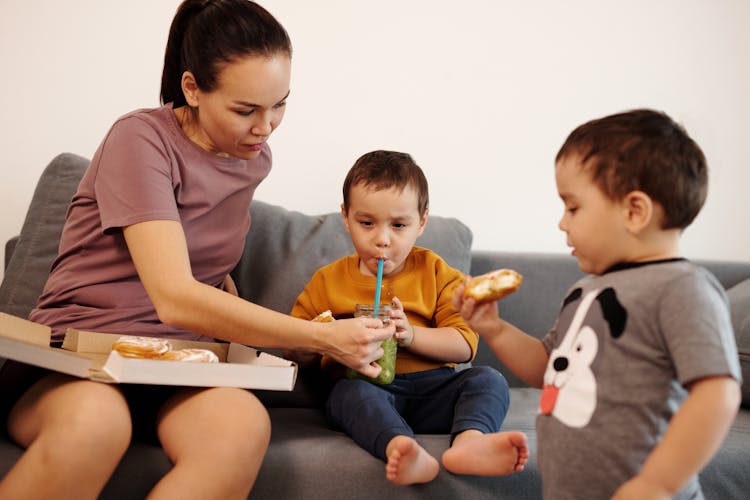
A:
[37,244]
[739,303]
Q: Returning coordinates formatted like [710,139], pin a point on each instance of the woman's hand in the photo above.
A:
[356,343]
[404,330]
[230,287]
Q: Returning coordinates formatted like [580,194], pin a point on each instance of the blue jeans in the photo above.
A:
[434,401]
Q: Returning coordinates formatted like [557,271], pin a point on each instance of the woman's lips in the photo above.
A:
[253,147]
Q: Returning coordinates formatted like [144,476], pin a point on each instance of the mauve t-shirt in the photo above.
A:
[145,169]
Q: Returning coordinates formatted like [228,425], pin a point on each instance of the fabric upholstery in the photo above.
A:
[37,244]
[739,303]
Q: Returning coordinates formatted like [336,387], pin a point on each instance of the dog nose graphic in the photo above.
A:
[560,364]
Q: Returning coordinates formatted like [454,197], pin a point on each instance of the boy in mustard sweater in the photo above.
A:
[385,210]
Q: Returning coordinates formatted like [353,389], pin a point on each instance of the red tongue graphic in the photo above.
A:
[549,396]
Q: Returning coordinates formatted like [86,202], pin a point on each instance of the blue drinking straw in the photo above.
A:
[378,284]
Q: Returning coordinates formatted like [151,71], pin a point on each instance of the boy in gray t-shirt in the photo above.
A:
[640,373]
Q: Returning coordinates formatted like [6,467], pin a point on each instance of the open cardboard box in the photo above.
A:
[89,355]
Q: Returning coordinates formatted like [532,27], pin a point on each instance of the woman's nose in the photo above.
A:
[263,127]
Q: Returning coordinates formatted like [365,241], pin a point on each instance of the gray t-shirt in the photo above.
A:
[145,169]
[624,346]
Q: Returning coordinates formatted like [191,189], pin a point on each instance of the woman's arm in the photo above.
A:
[159,253]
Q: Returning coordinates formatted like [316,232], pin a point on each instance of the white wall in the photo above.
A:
[481,93]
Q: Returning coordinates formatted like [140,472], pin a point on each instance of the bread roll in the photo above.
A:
[141,347]
[493,286]
[324,317]
[191,355]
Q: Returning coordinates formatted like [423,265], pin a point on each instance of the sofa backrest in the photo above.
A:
[37,244]
[283,248]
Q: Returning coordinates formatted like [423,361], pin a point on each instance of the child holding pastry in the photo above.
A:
[640,373]
[385,209]
[156,225]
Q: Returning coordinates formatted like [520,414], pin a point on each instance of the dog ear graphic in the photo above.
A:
[615,315]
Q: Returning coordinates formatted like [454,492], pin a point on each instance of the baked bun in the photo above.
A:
[194,355]
[324,317]
[493,286]
[141,347]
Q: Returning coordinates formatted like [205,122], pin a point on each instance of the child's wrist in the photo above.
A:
[403,343]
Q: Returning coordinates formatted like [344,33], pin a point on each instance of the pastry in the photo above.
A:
[324,317]
[493,286]
[141,347]
[194,355]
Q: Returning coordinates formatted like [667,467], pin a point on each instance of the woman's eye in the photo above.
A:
[245,112]
[280,105]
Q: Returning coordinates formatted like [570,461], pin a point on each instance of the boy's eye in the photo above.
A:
[399,225]
[365,223]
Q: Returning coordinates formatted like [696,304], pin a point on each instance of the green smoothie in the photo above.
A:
[388,361]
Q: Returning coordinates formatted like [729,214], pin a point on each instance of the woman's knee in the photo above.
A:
[225,420]
[99,415]
[73,414]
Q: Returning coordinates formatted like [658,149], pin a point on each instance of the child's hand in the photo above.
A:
[640,489]
[482,318]
[404,331]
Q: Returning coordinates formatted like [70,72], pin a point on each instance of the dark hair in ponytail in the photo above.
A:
[207,33]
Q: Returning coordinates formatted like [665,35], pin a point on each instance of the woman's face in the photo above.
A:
[238,116]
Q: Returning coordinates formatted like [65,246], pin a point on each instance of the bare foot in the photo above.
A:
[494,454]
[409,463]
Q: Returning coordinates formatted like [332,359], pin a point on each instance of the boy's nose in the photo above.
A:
[382,238]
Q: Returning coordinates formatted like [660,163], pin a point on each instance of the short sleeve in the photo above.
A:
[135,180]
[695,320]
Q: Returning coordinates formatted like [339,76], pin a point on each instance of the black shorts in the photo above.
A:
[144,400]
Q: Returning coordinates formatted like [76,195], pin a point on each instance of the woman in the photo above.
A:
[156,225]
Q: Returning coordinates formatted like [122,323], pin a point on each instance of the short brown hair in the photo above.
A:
[643,150]
[386,169]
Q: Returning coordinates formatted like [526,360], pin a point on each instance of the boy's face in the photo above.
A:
[383,223]
[594,224]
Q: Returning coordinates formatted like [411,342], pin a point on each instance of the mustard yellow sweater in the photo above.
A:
[425,287]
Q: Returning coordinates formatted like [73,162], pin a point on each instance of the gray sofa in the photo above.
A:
[306,459]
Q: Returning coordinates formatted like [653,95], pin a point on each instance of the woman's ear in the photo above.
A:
[639,211]
[190,89]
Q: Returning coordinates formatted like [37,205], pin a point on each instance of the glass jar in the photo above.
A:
[388,361]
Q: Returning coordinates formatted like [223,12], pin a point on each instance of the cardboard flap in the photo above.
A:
[101,343]
[93,342]
[23,330]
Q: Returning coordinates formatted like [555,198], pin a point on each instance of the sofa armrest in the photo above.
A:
[10,246]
